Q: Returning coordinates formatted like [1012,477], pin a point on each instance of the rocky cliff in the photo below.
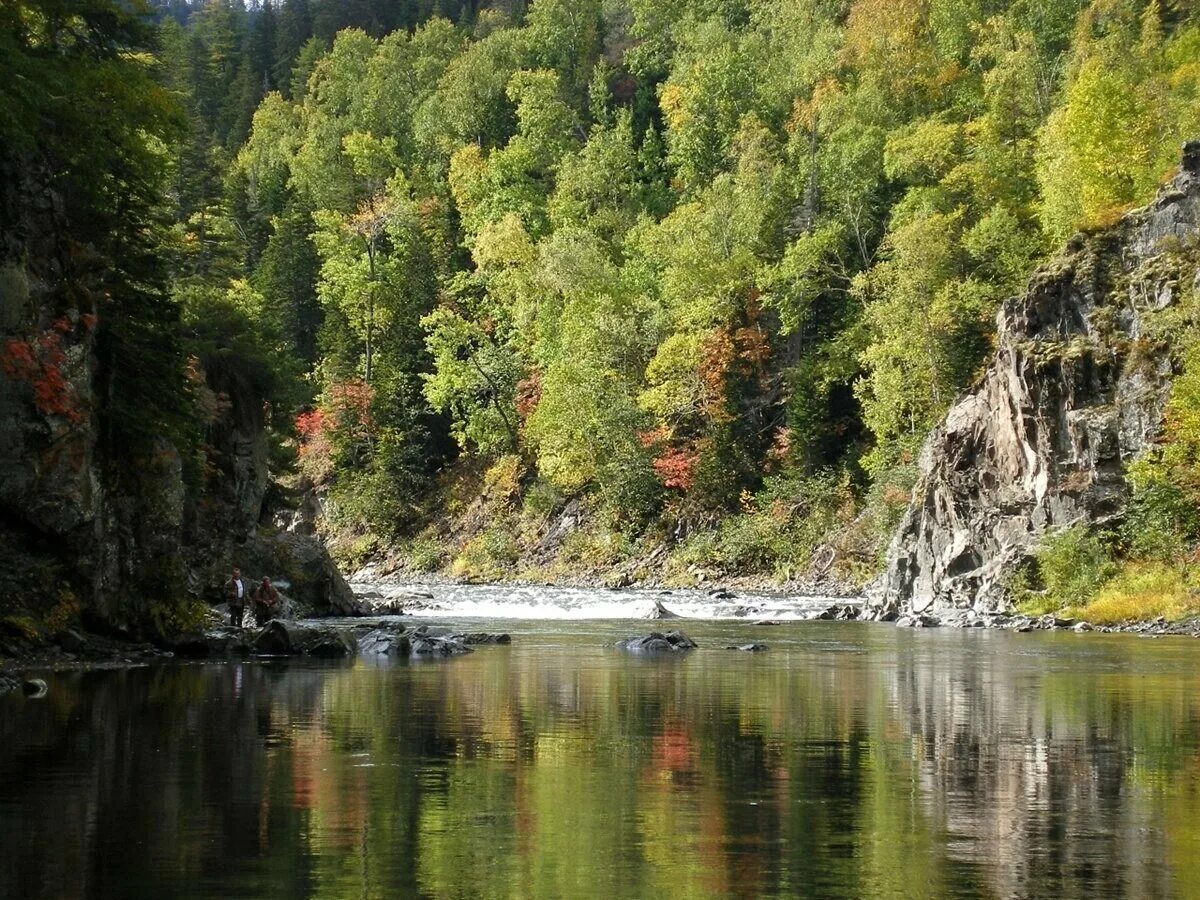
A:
[1076,390]
[93,530]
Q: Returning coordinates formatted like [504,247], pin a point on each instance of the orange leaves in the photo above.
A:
[310,424]
[350,404]
[675,466]
[529,392]
[742,353]
[40,364]
[719,355]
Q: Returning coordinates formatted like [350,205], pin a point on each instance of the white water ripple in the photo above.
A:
[502,601]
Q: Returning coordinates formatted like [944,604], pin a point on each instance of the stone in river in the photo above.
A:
[384,642]
[671,642]
[658,611]
[291,639]
[481,637]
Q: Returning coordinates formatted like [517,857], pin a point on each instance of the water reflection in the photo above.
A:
[849,761]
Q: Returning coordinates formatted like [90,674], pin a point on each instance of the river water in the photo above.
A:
[849,760]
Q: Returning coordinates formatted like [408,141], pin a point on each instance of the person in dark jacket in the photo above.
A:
[235,593]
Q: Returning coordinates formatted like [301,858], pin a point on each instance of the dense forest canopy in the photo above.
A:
[713,266]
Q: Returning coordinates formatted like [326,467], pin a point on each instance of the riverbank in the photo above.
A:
[437,599]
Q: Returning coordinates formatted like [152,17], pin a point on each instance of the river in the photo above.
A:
[849,760]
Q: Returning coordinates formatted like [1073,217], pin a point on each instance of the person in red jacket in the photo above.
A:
[266,602]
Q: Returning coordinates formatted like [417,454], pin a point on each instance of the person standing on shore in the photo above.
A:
[266,602]
[235,591]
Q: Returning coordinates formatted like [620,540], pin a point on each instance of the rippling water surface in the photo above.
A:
[850,760]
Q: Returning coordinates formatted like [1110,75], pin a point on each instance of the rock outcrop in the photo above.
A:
[1076,391]
[91,529]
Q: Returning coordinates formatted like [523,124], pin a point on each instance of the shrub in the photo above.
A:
[540,501]
[596,548]
[780,526]
[1161,522]
[1072,564]
[424,553]
[487,556]
[1142,591]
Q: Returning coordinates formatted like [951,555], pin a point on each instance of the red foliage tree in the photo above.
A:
[39,363]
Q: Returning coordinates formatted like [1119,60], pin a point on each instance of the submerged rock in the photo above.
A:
[748,648]
[473,638]
[671,642]
[430,645]
[1073,394]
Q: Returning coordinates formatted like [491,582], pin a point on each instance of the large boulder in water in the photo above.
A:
[671,642]
[291,639]
[385,642]
[658,611]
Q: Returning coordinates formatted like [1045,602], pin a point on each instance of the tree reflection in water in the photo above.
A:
[850,760]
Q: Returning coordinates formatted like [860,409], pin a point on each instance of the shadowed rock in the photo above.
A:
[430,645]
[290,639]
[481,637]
[383,642]
[671,642]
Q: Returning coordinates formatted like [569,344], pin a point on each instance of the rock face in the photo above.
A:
[301,568]
[1075,392]
[112,534]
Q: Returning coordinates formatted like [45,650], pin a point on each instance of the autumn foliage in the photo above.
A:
[39,363]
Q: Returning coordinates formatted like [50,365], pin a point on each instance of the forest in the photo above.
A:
[704,273]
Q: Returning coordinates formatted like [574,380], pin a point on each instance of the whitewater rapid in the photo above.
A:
[502,601]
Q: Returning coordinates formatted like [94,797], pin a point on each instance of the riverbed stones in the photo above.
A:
[840,612]
[655,642]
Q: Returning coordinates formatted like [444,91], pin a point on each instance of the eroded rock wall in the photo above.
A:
[1075,392]
[85,529]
